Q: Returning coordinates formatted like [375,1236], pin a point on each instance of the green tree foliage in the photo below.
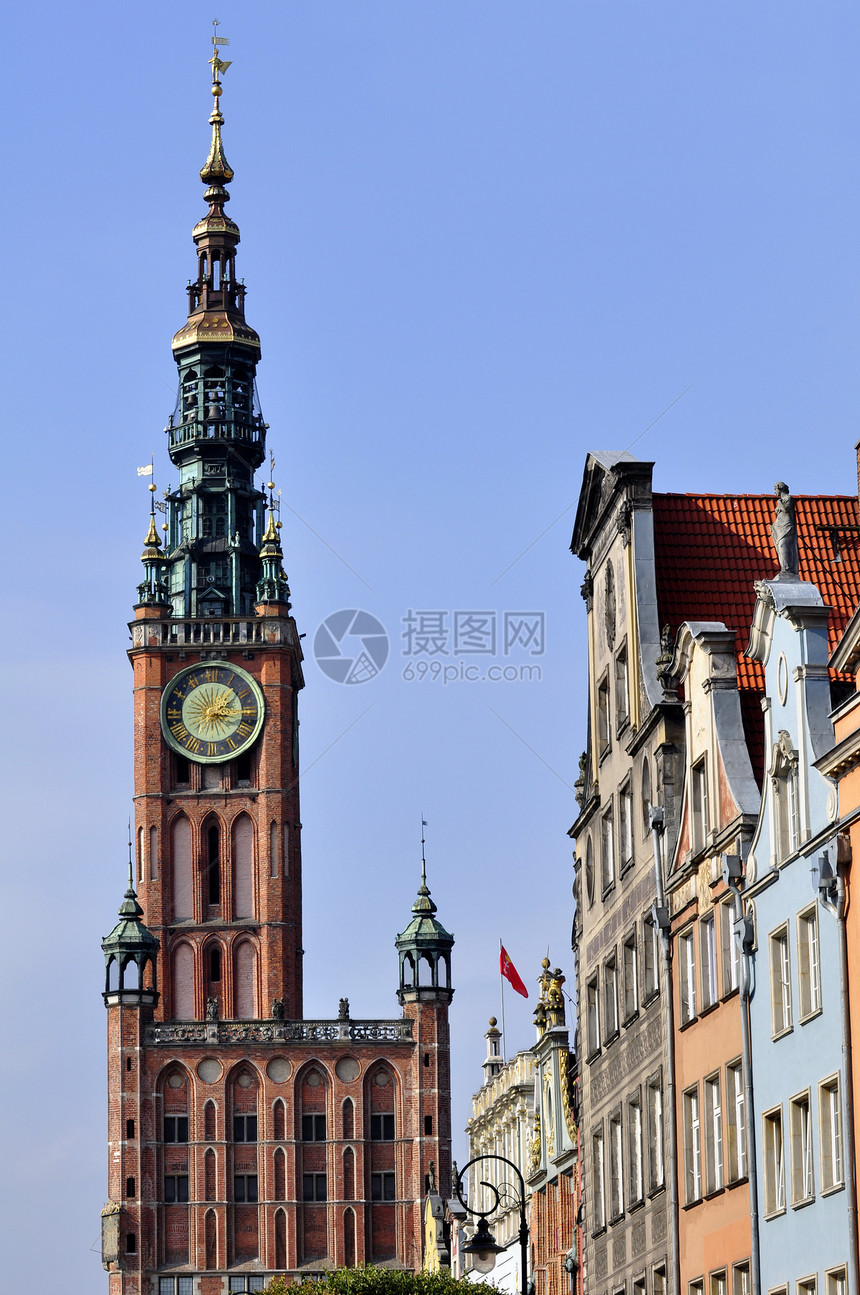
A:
[382,1281]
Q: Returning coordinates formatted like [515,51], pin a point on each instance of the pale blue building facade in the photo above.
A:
[794,899]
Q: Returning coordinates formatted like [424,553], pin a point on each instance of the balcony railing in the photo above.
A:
[203,631]
[218,1032]
[222,428]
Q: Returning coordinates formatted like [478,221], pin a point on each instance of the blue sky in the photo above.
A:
[480,237]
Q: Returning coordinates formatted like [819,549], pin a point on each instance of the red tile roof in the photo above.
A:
[710,549]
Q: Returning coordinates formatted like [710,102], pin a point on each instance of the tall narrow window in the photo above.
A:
[622,692]
[836,1282]
[213,865]
[273,850]
[645,794]
[800,1131]
[631,976]
[729,953]
[607,851]
[650,956]
[708,946]
[635,1173]
[692,1146]
[687,976]
[736,1128]
[780,982]
[183,983]
[774,1162]
[830,1115]
[655,1134]
[741,1284]
[603,716]
[718,1283]
[616,1159]
[245,982]
[714,1179]
[592,1013]
[625,826]
[610,997]
[698,806]
[808,966]
[598,1168]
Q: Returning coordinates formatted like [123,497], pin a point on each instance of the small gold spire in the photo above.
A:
[216,169]
[271,535]
[152,539]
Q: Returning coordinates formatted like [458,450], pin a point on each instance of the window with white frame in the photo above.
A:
[741,1283]
[708,953]
[729,952]
[784,782]
[650,957]
[687,976]
[654,1094]
[630,974]
[774,1162]
[598,1167]
[635,1172]
[808,964]
[718,1283]
[659,1283]
[780,982]
[692,1146]
[592,1016]
[714,1173]
[698,806]
[736,1126]
[696,1286]
[607,851]
[625,826]
[806,1285]
[616,1160]
[800,1132]
[610,997]
[176,1286]
[830,1118]
[836,1281]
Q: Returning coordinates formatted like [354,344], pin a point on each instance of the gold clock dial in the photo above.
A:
[212,713]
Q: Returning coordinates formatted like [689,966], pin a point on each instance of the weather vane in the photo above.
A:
[218,65]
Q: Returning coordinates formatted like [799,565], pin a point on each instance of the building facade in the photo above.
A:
[798,1063]
[243,1139]
[554,1169]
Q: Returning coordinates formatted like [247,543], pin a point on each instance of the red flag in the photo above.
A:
[510,973]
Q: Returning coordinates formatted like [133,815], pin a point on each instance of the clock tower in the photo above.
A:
[244,1140]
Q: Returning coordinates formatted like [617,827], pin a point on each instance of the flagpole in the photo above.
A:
[502,995]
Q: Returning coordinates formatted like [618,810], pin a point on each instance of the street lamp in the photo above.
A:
[483,1246]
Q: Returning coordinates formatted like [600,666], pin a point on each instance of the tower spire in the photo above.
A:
[216,171]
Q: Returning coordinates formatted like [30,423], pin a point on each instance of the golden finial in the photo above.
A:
[217,169]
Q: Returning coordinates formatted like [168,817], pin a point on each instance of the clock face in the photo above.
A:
[211,713]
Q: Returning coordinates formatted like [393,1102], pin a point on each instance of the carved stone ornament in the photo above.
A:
[623,522]
[586,589]
[665,659]
[277,1009]
[579,787]
[343,1009]
[211,1009]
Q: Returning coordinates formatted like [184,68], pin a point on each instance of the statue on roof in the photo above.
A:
[783,532]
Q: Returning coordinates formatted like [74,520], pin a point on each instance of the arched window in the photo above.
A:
[153,854]
[381,1121]
[211,1240]
[209,1175]
[183,983]
[348,1118]
[212,863]
[181,877]
[244,1190]
[245,982]
[141,862]
[243,867]
[174,1192]
[349,1174]
[349,1238]
[312,1166]
[278,1121]
[280,1240]
[280,1175]
[273,850]
[209,1122]
[213,971]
